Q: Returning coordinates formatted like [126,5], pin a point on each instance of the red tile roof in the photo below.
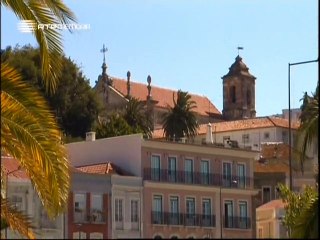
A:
[278,203]
[243,124]
[163,96]
[11,166]
[102,168]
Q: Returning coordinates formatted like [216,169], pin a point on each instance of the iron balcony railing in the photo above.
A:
[237,222]
[185,177]
[185,219]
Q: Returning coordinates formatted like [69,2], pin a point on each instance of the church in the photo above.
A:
[238,96]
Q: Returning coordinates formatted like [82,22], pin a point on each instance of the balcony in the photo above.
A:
[196,178]
[237,222]
[183,219]
[96,216]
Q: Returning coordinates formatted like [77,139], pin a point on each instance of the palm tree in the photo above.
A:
[29,132]
[136,117]
[180,121]
[307,222]
[309,119]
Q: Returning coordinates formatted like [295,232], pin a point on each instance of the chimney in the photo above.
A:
[209,138]
[90,136]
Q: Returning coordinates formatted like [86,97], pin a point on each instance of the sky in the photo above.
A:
[190,44]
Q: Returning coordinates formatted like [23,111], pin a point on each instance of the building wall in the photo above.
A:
[215,156]
[127,189]
[124,151]
[269,223]
[256,137]
[88,184]
[45,228]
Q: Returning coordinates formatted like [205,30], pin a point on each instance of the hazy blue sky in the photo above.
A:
[190,44]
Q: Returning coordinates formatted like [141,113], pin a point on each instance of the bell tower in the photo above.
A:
[238,92]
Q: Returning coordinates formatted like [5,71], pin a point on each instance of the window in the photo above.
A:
[248,97]
[118,210]
[172,169]
[285,138]
[276,193]
[260,232]
[233,94]
[243,211]
[174,210]
[245,138]
[266,135]
[17,202]
[228,214]
[157,210]
[80,207]
[155,167]
[241,176]
[206,212]
[226,138]
[190,211]
[266,194]
[188,167]
[226,174]
[134,211]
[96,203]
[204,167]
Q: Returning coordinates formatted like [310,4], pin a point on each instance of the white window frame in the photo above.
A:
[189,175]
[205,176]
[239,183]
[155,174]
[232,211]
[172,176]
[134,217]
[119,215]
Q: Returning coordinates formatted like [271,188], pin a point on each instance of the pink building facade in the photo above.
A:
[188,190]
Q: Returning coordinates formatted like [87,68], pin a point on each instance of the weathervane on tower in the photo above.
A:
[239,48]
[104,50]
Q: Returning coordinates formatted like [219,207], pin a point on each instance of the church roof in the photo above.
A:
[163,96]
[238,68]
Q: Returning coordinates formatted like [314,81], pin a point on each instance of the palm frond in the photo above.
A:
[30,134]
[16,220]
[49,40]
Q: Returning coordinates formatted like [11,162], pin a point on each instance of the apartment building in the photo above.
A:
[22,195]
[104,203]
[189,190]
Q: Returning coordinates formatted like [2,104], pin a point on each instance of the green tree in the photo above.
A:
[29,132]
[136,117]
[114,125]
[74,103]
[300,218]
[180,121]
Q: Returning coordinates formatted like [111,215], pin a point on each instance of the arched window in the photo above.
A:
[248,97]
[233,94]
[174,237]
[157,237]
